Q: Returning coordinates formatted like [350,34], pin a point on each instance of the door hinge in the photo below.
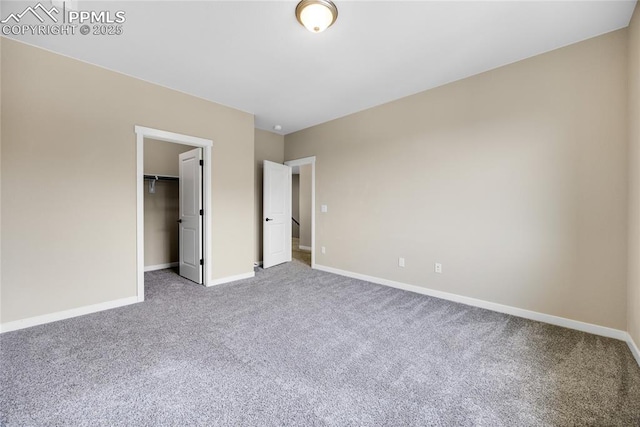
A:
[201,162]
[201,212]
[201,262]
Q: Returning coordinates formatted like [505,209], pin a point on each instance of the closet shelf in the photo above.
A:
[161,178]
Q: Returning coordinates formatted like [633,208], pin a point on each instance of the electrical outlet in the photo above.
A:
[323,250]
[323,208]
[400,262]
[438,267]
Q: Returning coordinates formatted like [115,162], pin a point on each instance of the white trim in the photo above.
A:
[207,146]
[500,308]
[163,135]
[309,161]
[139,215]
[160,266]
[304,248]
[228,279]
[301,162]
[66,314]
[634,348]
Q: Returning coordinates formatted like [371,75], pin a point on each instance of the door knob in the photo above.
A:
[179,221]
[269,219]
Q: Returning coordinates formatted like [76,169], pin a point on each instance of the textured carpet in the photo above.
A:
[300,347]
[302,255]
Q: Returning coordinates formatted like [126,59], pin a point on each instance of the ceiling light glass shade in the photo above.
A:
[316,15]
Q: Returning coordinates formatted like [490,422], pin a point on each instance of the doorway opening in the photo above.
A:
[193,222]
[161,204]
[301,247]
[303,203]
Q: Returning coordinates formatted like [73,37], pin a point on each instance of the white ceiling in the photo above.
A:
[254,56]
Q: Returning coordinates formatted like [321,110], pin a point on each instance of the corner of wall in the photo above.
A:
[267,146]
[1,178]
[633,278]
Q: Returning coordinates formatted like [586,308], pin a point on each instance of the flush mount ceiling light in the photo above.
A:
[316,15]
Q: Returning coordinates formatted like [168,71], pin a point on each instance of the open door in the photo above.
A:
[191,259]
[276,214]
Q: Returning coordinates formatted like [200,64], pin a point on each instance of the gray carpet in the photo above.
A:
[299,347]
[302,255]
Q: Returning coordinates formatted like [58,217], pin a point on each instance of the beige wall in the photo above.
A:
[633,306]
[161,212]
[161,209]
[305,205]
[161,157]
[268,146]
[1,114]
[69,179]
[295,204]
[515,180]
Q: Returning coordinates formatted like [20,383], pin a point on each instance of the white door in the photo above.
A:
[276,242]
[191,262]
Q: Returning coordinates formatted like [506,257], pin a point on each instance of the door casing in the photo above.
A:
[176,138]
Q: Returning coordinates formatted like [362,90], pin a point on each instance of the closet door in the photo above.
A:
[191,259]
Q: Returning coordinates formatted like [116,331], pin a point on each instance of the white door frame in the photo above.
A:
[176,138]
[301,162]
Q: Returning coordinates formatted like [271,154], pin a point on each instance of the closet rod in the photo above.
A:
[161,178]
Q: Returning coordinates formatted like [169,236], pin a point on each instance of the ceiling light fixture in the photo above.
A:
[316,15]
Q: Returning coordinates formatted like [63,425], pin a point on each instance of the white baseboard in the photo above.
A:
[304,248]
[160,266]
[228,279]
[66,314]
[634,348]
[515,311]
